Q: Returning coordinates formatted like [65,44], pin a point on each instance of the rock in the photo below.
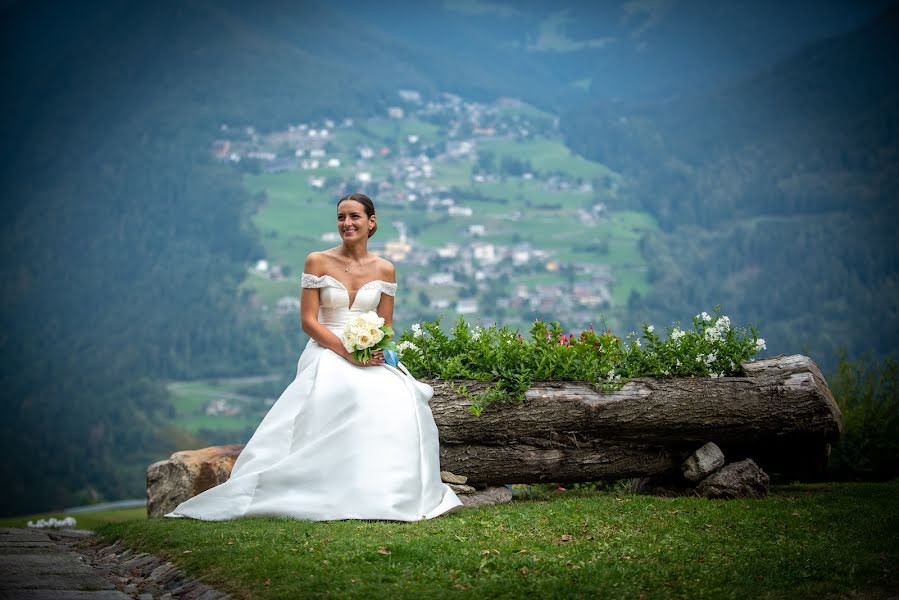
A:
[742,479]
[487,497]
[186,474]
[665,486]
[461,489]
[448,477]
[703,462]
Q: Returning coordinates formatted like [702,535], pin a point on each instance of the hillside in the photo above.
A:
[482,207]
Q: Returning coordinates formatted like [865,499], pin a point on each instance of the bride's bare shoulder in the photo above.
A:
[386,270]
[316,263]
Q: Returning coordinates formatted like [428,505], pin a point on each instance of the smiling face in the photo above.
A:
[352,221]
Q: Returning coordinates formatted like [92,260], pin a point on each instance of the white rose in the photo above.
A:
[371,319]
[348,340]
[357,329]
[376,335]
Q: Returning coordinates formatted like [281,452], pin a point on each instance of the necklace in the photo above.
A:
[349,266]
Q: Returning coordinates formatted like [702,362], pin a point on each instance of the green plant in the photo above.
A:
[503,356]
[867,392]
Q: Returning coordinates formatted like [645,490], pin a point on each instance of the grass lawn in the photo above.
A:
[805,541]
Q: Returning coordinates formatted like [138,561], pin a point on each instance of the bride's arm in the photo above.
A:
[309,305]
[385,305]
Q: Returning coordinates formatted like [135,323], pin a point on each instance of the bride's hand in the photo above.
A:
[377,359]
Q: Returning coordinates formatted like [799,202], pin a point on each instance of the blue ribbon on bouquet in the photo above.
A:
[391,358]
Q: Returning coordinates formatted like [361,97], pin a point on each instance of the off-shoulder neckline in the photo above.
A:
[352,300]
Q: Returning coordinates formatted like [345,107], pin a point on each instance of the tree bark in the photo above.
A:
[524,463]
[780,397]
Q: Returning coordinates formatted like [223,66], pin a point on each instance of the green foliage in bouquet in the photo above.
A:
[502,355]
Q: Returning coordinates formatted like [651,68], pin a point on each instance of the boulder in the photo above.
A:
[448,477]
[742,479]
[461,489]
[487,497]
[186,474]
[703,462]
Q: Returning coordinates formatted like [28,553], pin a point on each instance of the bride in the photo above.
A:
[346,440]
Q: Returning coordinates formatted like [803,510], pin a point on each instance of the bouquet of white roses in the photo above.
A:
[365,334]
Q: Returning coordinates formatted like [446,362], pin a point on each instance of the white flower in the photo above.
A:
[723,323]
[713,334]
[714,375]
[52,522]
[371,319]
[348,338]
[704,316]
[651,328]
[406,345]
[760,345]
[475,333]
[637,343]
[677,334]
[416,330]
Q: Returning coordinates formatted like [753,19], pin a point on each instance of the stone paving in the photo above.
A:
[44,564]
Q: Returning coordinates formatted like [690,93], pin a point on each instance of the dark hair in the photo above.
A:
[366,203]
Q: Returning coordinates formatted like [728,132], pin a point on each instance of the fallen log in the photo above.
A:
[496,465]
[778,397]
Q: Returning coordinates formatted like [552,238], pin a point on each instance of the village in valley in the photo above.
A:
[482,208]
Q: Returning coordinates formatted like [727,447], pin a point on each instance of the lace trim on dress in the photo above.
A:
[315,281]
[319,281]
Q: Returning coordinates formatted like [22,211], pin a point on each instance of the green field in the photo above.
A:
[804,541]
[549,156]
[83,520]
[190,397]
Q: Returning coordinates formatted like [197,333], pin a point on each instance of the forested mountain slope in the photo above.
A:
[779,193]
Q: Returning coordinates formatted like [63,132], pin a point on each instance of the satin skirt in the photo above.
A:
[342,442]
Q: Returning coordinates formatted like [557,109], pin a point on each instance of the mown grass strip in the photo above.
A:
[833,540]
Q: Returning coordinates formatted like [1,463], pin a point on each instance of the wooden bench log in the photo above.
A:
[779,397]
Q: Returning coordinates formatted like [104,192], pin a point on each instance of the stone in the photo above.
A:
[186,474]
[461,489]
[703,462]
[487,497]
[62,595]
[742,479]
[664,486]
[448,477]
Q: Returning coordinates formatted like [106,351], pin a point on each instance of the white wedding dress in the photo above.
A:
[342,442]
